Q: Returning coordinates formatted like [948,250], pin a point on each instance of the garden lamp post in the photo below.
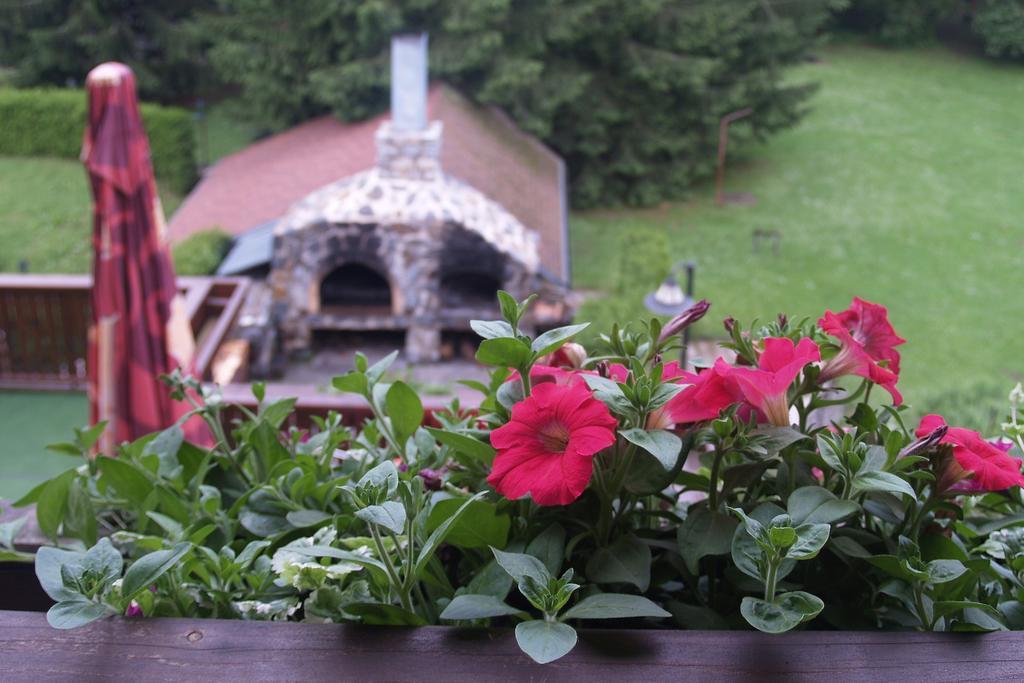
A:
[670,299]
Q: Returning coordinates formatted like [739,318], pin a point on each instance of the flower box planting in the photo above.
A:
[596,506]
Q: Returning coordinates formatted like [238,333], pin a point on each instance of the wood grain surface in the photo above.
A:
[215,650]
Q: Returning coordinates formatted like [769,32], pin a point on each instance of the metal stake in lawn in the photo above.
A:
[669,299]
[723,141]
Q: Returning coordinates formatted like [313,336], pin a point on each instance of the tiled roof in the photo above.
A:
[480,146]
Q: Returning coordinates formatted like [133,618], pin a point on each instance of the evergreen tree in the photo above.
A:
[56,42]
[628,91]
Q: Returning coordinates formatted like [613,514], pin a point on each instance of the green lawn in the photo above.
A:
[902,186]
[46,215]
[28,422]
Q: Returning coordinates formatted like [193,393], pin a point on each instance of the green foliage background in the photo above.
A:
[200,253]
[40,122]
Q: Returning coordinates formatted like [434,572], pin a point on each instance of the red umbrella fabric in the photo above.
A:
[139,328]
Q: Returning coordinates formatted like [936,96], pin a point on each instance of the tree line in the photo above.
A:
[629,92]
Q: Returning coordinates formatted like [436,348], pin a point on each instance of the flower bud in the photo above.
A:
[570,355]
[730,324]
[925,443]
[684,319]
[604,369]
[431,479]
[783,320]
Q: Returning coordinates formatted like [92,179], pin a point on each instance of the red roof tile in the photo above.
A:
[480,145]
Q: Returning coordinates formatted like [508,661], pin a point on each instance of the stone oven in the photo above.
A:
[402,246]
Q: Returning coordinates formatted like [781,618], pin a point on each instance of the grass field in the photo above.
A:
[28,422]
[46,215]
[902,186]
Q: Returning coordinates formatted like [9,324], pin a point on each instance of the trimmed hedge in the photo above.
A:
[200,253]
[40,122]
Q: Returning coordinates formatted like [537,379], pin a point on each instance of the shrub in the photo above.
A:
[40,122]
[200,253]
[1000,25]
[900,22]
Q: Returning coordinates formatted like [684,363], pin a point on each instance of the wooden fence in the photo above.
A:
[44,324]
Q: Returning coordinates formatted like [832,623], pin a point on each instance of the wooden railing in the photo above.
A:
[44,325]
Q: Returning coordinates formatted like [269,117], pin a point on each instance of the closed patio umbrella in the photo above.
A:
[139,328]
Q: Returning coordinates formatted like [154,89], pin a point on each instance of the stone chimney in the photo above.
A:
[407,146]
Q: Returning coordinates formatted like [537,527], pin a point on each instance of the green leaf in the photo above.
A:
[777,438]
[704,533]
[785,613]
[466,607]
[882,481]
[166,443]
[545,641]
[383,475]
[53,503]
[552,339]
[148,568]
[65,448]
[48,571]
[440,534]
[10,530]
[33,495]
[993,620]
[80,518]
[829,453]
[810,539]
[127,480]
[491,580]
[464,444]
[520,565]
[276,413]
[75,613]
[351,383]
[377,370]
[339,554]
[504,352]
[818,505]
[549,547]
[663,445]
[627,560]
[480,527]
[303,518]
[405,410]
[850,547]
[378,614]
[746,553]
[390,515]
[941,571]
[492,329]
[614,606]
[104,560]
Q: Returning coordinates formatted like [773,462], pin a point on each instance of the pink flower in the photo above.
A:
[547,448]
[867,345]
[710,392]
[978,464]
[765,387]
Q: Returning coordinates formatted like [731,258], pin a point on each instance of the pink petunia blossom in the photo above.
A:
[766,386]
[867,345]
[547,448]
[978,464]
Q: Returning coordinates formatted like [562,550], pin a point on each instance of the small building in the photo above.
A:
[409,222]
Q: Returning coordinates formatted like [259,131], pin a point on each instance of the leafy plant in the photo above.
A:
[776,492]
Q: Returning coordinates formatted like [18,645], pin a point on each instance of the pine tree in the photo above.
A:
[628,91]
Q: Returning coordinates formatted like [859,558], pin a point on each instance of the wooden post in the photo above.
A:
[723,141]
